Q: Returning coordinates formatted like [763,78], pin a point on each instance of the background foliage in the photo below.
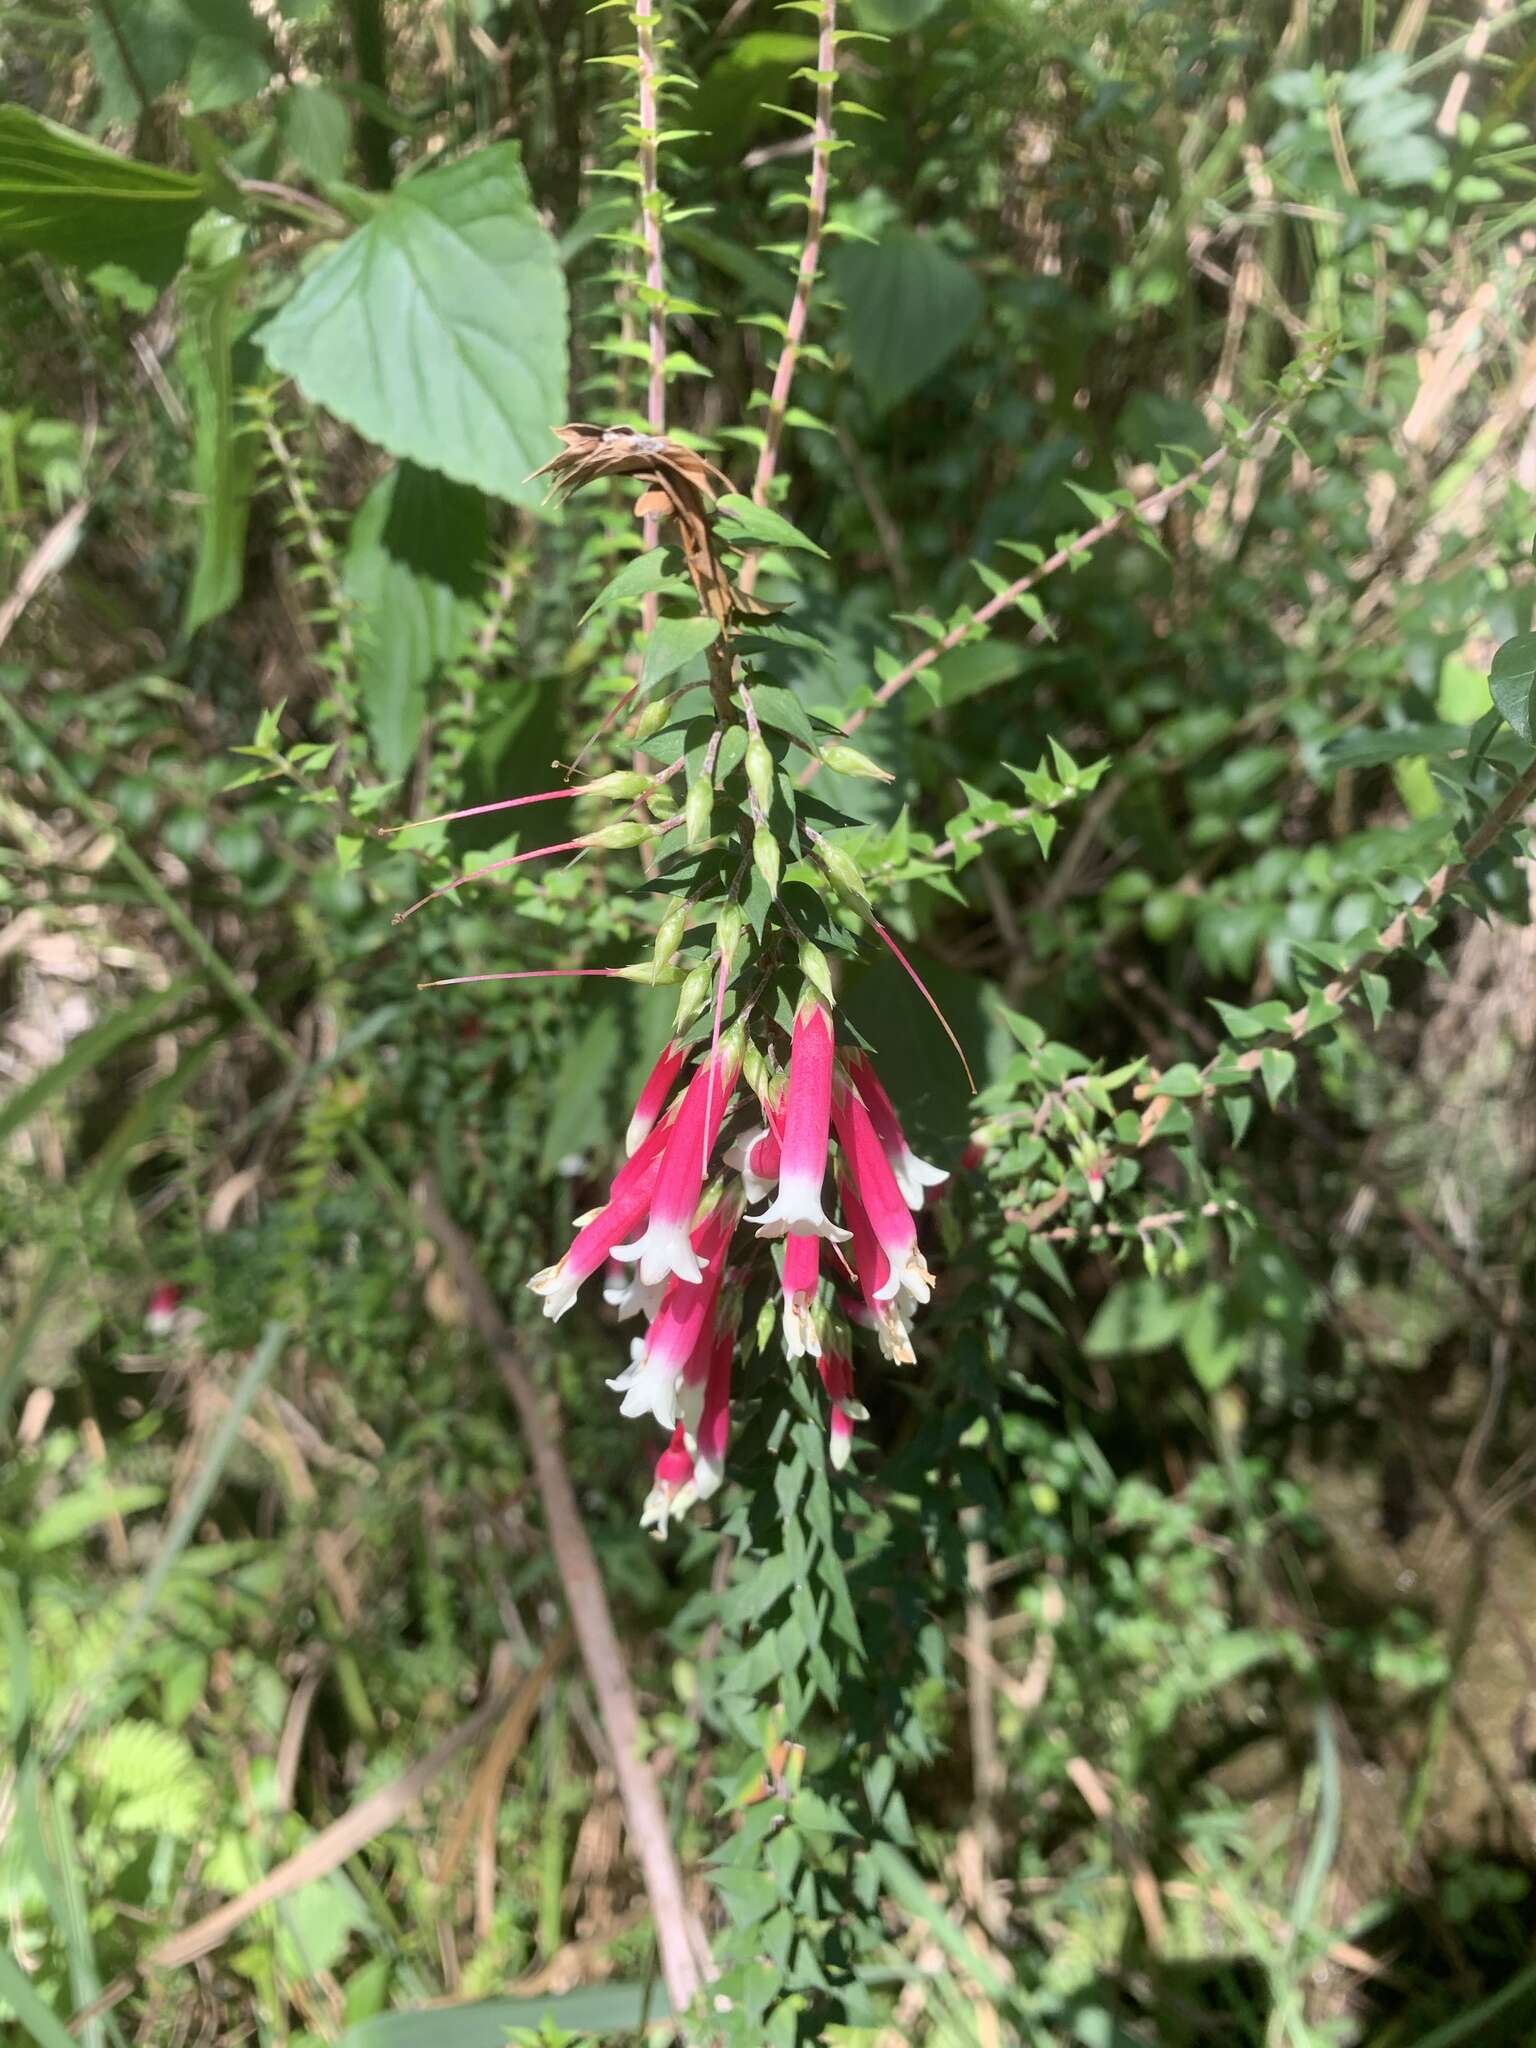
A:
[1163,1668]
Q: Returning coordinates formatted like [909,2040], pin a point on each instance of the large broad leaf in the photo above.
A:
[438,330]
[69,199]
[736,95]
[223,459]
[413,568]
[910,305]
[216,49]
[607,2010]
[1512,680]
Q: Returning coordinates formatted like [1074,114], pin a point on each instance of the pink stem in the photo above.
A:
[924,992]
[507,803]
[714,1047]
[805,279]
[512,860]
[650,235]
[1144,510]
[524,974]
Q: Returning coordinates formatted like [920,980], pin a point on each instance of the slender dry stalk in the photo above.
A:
[680,1941]
[805,275]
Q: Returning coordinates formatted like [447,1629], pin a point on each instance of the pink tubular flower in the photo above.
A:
[714,1425]
[677,1341]
[802,1277]
[755,1156]
[836,1366]
[872,1269]
[675,1487]
[653,1096]
[595,1241]
[875,1186]
[914,1176]
[160,1310]
[807,1116]
[664,1246]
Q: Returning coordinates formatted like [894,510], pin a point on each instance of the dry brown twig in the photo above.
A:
[684,1954]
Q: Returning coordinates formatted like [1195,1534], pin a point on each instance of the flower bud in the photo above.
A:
[660,802]
[754,1071]
[616,838]
[845,760]
[766,857]
[698,809]
[693,995]
[643,972]
[843,873]
[814,966]
[669,935]
[759,766]
[729,926]
[651,720]
[728,932]
[623,782]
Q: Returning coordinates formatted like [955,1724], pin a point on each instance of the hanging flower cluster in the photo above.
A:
[759,1149]
[678,1236]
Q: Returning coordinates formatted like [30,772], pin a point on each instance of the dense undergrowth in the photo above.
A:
[1158,1671]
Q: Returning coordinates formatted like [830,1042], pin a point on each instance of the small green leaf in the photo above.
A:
[783,710]
[1278,1068]
[671,644]
[744,520]
[639,576]
[1140,1315]
[317,131]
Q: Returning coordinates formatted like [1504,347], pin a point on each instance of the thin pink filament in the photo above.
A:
[512,860]
[507,803]
[522,974]
[923,991]
[714,1048]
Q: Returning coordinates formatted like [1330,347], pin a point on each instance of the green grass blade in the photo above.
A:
[135,1020]
[43,2027]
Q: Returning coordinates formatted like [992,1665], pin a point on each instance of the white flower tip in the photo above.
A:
[648,1386]
[803,1215]
[840,1444]
[558,1291]
[708,1476]
[662,1251]
[666,1503]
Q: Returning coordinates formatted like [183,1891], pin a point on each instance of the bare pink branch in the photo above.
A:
[1145,510]
[805,276]
[650,234]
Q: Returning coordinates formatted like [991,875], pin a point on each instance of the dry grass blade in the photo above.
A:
[344,1837]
